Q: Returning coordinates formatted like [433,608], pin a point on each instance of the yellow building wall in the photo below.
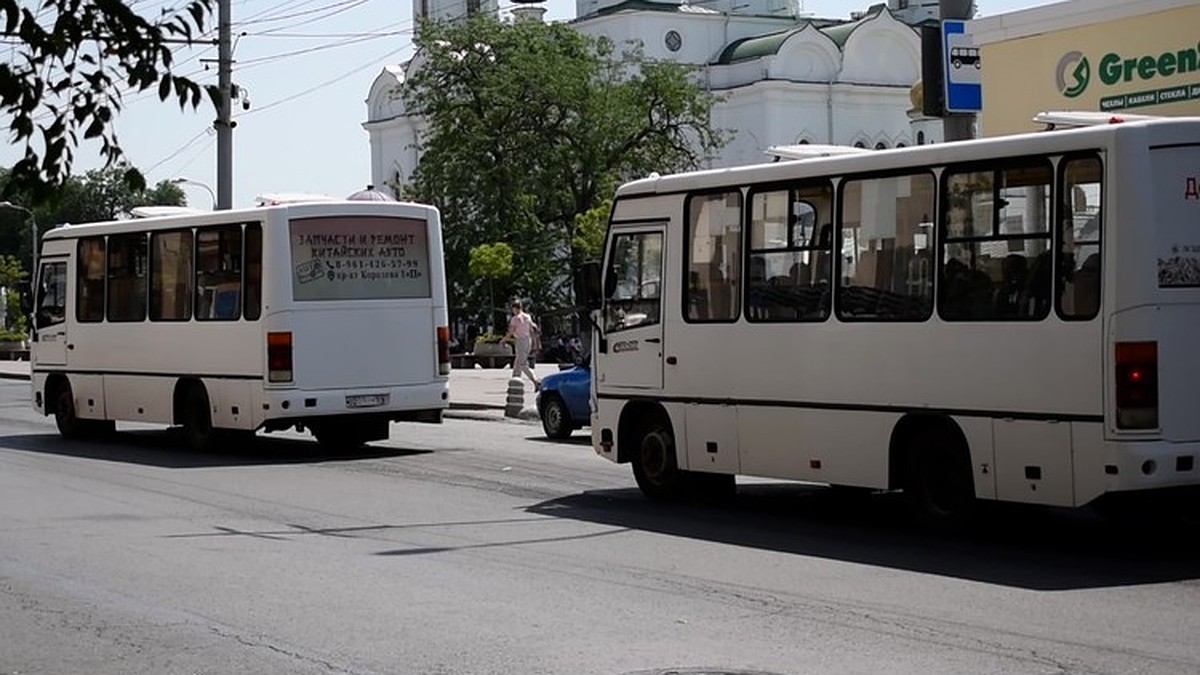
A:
[1068,69]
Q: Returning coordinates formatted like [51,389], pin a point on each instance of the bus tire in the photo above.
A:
[654,466]
[198,431]
[938,484]
[65,418]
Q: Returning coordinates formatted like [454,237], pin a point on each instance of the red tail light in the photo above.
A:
[1137,385]
[279,357]
[443,347]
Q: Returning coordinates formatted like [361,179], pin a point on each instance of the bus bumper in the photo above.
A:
[422,402]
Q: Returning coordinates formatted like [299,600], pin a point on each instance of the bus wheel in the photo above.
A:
[654,465]
[68,422]
[938,483]
[197,420]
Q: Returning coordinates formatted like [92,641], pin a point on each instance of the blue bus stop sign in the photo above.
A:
[961,63]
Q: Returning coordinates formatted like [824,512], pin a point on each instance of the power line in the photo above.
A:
[199,151]
[328,36]
[181,149]
[372,64]
[250,63]
[335,8]
[287,4]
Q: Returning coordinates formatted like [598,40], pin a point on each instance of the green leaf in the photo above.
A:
[134,180]
[94,129]
[61,75]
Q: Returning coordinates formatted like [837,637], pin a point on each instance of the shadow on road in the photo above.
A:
[579,439]
[165,449]
[1035,548]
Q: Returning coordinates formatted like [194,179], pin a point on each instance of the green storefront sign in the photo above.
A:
[1073,76]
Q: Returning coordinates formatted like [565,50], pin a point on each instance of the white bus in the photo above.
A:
[1012,319]
[328,316]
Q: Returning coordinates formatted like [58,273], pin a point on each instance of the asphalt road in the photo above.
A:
[479,547]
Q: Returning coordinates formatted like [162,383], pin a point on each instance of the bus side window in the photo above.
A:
[171,276]
[127,272]
[253,267]
[883,225]
[52,295]
[789,254]
[996,251]
[219,273]
[1079,239]
[714,235]
[89,275]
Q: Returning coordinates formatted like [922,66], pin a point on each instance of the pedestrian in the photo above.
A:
[521,331]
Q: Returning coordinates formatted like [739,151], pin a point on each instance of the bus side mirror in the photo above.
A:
[588,285]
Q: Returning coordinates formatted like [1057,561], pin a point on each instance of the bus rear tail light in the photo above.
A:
[1137,385]
[443,347]
[279,357]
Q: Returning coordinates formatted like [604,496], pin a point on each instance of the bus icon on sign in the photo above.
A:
[964,56]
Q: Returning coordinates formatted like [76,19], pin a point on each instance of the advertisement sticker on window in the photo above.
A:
[359,258]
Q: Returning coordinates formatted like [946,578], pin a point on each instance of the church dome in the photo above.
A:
[371,195]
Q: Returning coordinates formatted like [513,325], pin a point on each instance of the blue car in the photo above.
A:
[562,402]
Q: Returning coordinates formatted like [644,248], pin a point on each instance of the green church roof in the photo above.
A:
[756,47]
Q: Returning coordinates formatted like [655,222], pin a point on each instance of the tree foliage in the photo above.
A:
[11,276]
[590,228]
[101,194]
[106,194]
[66,74]
[531,125]
[491,261]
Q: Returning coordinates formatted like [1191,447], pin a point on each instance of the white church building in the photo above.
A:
[785,78]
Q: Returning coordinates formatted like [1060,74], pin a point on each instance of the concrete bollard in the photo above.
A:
[516,398]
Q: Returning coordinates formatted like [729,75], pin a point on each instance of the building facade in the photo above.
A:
[1088,55]
[785,78]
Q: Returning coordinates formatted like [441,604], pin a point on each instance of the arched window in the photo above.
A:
[920,138]
[859,144]
[881,146]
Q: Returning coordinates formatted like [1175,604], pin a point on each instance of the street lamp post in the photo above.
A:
[33,236]
[188,181]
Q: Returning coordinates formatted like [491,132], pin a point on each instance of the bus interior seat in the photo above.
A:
[1013,272]
[1087,286]
[1035,299]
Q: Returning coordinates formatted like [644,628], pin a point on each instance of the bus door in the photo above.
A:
[50,315]
[631,354]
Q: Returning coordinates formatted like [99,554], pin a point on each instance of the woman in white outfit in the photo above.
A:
[521,329]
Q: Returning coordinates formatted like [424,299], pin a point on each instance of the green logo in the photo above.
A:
[1080,73]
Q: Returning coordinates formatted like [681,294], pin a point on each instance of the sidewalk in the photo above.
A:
[475,393]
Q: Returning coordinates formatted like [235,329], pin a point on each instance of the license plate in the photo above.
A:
[366,400]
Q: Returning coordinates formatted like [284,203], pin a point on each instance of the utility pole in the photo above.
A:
[224,122]
[955,126]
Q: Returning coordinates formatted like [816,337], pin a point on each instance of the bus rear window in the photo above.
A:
[359,258]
